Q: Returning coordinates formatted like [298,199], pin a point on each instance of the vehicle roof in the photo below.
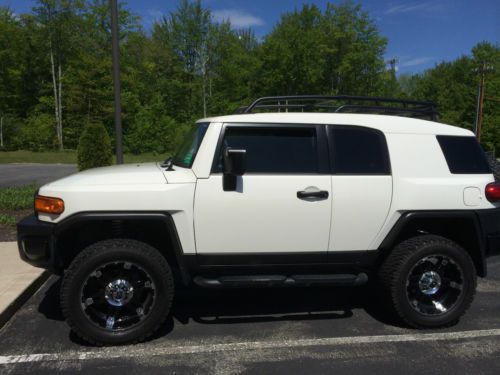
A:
[387,124]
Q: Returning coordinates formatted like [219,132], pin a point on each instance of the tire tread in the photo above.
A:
[389,273]
[97,248]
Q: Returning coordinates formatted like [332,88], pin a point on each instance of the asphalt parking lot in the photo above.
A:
[25,173]
[261,331]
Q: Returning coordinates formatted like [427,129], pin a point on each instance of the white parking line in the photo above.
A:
[117,352]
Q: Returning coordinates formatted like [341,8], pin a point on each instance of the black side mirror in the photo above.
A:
[235,164]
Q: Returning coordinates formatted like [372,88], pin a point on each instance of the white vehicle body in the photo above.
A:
[265,214]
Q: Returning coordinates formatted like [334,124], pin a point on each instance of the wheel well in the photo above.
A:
[461,230]
[153,231]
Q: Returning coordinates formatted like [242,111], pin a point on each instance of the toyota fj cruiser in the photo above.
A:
[283,193]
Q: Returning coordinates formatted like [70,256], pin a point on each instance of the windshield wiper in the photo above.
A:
[168,164]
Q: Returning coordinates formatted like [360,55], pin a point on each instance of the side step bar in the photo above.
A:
[281,280]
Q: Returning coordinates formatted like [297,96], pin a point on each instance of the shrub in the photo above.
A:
[94,147]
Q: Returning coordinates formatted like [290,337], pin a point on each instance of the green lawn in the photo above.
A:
[65,157]
[16,198]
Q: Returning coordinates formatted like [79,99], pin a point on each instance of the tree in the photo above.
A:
[292,56]
[188,29]
[94,148]
[335,52]
[354,51]
[60,20]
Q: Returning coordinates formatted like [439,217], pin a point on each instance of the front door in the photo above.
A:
[272,209]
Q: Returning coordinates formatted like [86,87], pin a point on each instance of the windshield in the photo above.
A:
[186,153]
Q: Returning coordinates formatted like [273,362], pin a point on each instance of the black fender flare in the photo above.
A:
[164,217]
[409,218]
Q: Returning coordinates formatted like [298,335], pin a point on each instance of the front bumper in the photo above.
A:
[36,242]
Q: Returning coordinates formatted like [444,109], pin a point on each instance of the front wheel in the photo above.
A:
[429,280]
[116,292]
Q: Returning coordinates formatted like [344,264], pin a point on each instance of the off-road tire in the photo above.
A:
[395,270]
[104,252]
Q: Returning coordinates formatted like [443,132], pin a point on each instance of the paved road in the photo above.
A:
[25,174]
[313,331]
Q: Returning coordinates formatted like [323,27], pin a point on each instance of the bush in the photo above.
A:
[94,147]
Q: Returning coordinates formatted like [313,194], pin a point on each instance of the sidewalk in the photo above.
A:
[16,280]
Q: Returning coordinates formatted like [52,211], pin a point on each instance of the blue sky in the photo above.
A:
[420,33]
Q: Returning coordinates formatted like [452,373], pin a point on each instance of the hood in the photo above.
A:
[125,174]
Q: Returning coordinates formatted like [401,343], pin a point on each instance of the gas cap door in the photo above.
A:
[472,196]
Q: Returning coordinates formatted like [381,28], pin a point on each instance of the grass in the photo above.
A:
[7,219]
[17,198]
[66,157]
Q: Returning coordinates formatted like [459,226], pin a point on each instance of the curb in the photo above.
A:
[21,299]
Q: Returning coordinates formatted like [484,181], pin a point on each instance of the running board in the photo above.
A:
[281,280]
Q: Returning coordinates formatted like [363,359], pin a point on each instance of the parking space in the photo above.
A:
[260,331]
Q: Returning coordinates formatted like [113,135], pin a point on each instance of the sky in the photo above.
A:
[420,33]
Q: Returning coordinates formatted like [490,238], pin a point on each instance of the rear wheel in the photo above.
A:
[429,280]
[117,292]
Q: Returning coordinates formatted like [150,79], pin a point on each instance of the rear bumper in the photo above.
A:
[36,240]
[489,222]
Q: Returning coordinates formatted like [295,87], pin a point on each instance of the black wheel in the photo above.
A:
[429,280]
[117,292]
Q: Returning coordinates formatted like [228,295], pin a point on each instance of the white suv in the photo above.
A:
[293,197]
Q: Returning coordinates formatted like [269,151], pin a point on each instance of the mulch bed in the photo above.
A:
[8,232]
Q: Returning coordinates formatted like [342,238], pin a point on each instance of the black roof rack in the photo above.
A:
[344,104]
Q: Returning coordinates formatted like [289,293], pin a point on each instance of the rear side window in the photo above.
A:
[274,150]
[463,155]
[357,150]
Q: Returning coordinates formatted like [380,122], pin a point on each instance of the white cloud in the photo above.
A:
[416,61]
[430,6]
[153,15]
[238,18]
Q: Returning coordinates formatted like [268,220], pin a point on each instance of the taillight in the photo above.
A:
[49,205]
[492,192]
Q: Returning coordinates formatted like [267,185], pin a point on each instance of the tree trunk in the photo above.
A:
[1,131]
[204,98]
[61,146]
[56,100]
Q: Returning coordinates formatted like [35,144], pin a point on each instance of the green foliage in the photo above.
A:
[189,66]
[94,147]
[454,87]
[15,198]
[7,219]
[151,123]
[37,134]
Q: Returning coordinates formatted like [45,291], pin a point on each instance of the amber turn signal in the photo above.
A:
[49,205]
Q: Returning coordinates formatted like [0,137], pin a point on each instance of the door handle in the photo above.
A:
[323,194]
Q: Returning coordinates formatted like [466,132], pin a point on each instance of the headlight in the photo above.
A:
[49,205]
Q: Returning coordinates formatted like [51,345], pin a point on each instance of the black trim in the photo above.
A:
[37,245]
[485,226]
[36,242]
[490,224]
[31,228]
[244,281]
[307,262]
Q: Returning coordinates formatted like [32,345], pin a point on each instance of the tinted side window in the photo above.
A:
[274,150]
[358,150]
[463,155]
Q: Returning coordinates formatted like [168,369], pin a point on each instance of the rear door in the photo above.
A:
[361,186]
[268,212]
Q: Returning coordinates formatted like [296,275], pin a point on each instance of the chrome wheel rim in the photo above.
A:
[117,295]
[434,285]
